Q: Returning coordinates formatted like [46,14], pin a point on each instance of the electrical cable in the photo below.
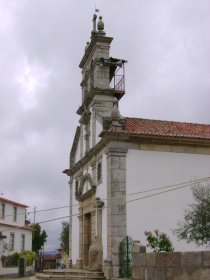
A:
[182,185]
[135,199]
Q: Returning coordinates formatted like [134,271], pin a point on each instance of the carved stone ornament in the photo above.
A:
[99,203]
[85,118]
[79,191]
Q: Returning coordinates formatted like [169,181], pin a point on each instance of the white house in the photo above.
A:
[17,235]
[122,170]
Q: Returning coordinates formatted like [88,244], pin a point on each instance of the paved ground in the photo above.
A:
[24,278]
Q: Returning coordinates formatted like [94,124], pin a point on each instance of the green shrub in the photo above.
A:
[30,257]
[12,260]
[159,241]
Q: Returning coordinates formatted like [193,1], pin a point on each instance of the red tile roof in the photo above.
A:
[149,127]
[14,226]
[12,202]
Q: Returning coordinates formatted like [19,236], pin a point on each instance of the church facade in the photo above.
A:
[127,175]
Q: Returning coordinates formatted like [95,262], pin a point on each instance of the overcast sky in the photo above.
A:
[166,43]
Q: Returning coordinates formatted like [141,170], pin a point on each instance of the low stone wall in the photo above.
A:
[170,266]
[7,272]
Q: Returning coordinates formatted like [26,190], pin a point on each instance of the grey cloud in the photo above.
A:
[167,77]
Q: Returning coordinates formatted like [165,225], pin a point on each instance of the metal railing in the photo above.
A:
[118,82]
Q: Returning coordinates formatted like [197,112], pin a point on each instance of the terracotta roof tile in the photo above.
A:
[166,128]
[15,226]
[12,202]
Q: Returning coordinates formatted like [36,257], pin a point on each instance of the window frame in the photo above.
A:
[2,211]
[12,241]
[14,213]
[22,242]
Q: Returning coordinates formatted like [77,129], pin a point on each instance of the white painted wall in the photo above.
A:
[8,225]
[7,271]
[6,230]
[9,218]
[99,129]
[102,193]
[151,169]
[77,155]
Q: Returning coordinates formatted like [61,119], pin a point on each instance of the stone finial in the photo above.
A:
[115,114]
[87,45]
[115,117]
[100,27]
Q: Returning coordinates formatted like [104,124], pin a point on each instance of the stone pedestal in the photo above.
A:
[95,258]
[107,268]
[79,264]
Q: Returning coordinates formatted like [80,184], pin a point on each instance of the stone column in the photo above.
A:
[116,203]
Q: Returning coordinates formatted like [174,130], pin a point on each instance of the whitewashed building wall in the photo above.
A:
[152,169]
[14,225]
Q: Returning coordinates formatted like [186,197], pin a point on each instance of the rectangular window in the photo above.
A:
[22,245]
[2,211]
[99,172]
[12,241]
[14,214]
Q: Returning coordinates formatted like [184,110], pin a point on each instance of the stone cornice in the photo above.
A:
[90,96]
[94,41]
[157,139]
[107,136]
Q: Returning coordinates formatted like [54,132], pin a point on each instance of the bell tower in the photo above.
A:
[103,79]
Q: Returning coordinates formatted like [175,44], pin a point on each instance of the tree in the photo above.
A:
[39,238]
[64,236]
[196,225]
[159,241]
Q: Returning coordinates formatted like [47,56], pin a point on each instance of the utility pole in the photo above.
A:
[34,221]
[34,214]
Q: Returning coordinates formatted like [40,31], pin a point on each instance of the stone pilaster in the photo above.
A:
[96,250]
[81,256]
[81,141]
[93,128]
[87,138]
[116,203]
[70,222]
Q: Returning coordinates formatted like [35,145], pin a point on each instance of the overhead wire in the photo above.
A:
[130,194]
[179,186]
[172,188]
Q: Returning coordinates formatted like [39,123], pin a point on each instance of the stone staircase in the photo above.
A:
[70,274]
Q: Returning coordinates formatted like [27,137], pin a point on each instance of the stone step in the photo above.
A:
[68,277]
[70,274]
